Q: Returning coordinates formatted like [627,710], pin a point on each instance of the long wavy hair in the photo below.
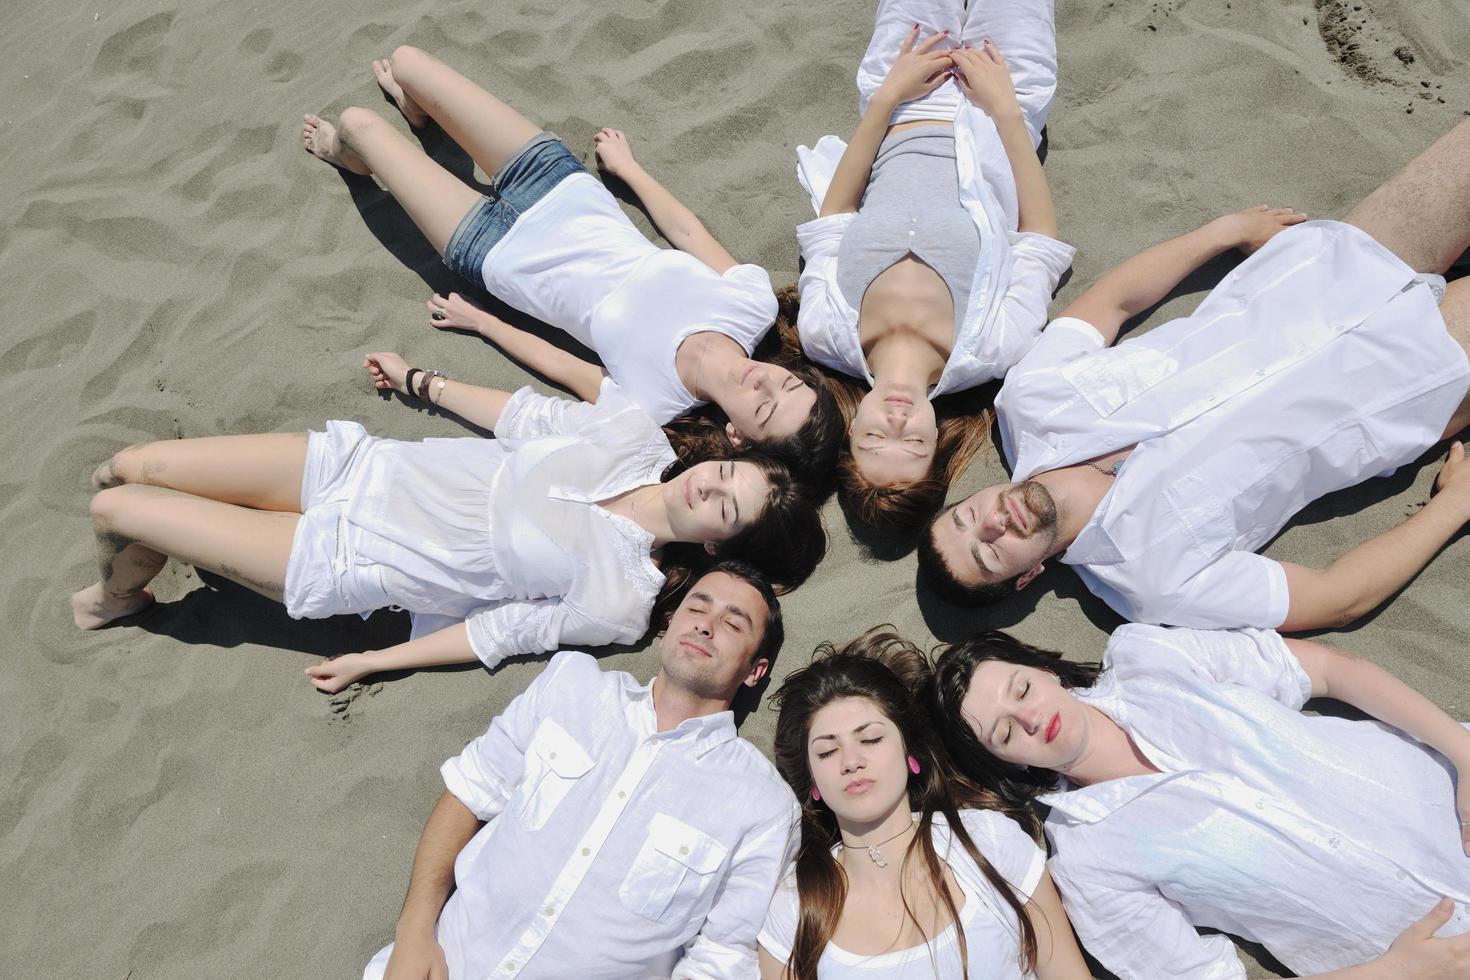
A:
[1016,785]
[785,543]
[811,451]
[964,420]
[891,672]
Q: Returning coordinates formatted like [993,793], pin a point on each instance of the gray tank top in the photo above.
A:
[912,205]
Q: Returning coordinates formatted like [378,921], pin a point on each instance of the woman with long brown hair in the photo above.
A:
[572,526]
[933,256]
[904,869]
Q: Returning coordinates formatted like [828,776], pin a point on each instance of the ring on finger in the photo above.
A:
[437,313]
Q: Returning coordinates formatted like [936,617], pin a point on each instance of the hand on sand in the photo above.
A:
[614,152]
[1454,477]
[1417,955]
[1248,230]
[339,673]
[919,69]
[388,371]
[455,313]
[418,957]
[982,75]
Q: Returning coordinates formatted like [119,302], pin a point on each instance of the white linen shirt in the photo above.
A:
[611,850]
[507,534]
[992,934]
[1018,271]
[1320,838]
[575,261]
[1318,362]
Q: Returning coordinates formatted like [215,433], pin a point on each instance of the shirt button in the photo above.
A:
[622,795]
[684,849]
[1334,843]
[1260,372]
[586,851]
[551,755]
[1260,804]
[550,910]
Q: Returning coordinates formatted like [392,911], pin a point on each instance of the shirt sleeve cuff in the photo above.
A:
[822,235]
[483,804]
[510,416]
[1081,326]
[1280,602]
[1052,251]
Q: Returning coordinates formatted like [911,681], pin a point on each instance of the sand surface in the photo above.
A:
[175,800]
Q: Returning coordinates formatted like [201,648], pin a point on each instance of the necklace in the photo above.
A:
[1107,470]
[875,855]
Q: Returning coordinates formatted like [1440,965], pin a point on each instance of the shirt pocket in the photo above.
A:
[1205,517]
[553,765]
[1110,379]
[674,873]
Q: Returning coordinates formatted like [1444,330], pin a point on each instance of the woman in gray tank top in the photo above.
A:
[931,263]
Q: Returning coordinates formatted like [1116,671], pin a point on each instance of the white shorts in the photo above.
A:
[323,577]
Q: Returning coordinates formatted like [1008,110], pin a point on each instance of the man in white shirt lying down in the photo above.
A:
[1157,468]
[603,828]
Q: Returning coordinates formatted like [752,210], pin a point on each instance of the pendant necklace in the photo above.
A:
[1107,470]
[875,855]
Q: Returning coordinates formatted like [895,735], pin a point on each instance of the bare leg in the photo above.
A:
[139,527]
[365,143]
[489,130]
[261,471]
[1422,213]
[1455,308]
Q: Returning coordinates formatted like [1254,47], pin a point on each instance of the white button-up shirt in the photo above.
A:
[1318,362]
[506,534]
[1017,271]
[611,849]
[1320,838]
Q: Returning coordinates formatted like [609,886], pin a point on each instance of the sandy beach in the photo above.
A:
[176,801]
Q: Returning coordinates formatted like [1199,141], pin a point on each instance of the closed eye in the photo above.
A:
[827,754]
[872,741]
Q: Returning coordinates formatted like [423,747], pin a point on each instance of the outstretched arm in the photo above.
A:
[481,406]
[678,224]
[416,951]
[1374,691]
[1361,580]
[1138,283]
[1057,955]
[450,645]
[917,71]
[580,377]
[984,78]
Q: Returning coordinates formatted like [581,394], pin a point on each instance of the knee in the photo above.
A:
[356,120]
[126,466]
[109,508]
[405,58]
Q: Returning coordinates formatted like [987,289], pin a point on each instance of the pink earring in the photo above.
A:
[913,765]
[816,794]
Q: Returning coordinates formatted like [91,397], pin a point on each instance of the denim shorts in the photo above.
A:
[527,177]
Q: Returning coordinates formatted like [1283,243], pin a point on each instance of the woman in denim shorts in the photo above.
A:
[675,328]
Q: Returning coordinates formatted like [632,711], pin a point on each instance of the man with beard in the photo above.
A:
[1156,468]
[603,828]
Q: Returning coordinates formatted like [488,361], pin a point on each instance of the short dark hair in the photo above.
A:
[936,573]
[774,634]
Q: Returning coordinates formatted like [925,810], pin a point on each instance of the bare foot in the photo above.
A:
[103,478]
[320,139]
[412,111]
[92,608]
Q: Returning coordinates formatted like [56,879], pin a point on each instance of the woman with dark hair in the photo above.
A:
[569,527]
[1187,790]
[811,450]
[905,870]
[933,256]
[674,327]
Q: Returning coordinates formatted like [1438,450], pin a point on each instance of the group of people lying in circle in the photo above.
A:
[607,828]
